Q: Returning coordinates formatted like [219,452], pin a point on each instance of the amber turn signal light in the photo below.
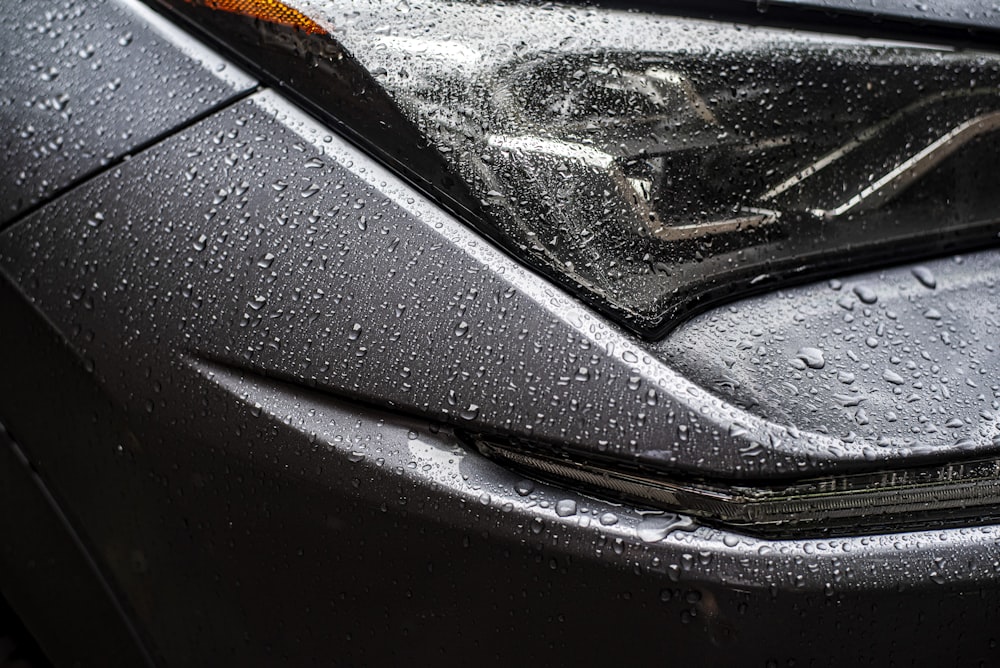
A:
[270,11]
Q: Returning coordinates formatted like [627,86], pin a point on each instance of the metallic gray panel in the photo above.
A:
[905,357]
[252,522]
[94,81]
[272,245]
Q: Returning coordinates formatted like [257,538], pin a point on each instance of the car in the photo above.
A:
[351,333]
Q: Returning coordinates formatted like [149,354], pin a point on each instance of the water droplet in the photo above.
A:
[524,487]
[892,377]
[566,508]
[925,276]
[812,357]
[656,528]
[865,294]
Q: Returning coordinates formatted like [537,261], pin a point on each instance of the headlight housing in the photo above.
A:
[657,165]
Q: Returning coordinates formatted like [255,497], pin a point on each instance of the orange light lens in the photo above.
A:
[271,11]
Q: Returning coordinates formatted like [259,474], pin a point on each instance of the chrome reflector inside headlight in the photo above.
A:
[655,164]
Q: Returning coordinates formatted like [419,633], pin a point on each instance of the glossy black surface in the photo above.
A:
[974,23]
[973,15]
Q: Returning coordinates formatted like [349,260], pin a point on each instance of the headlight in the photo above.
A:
[656,165]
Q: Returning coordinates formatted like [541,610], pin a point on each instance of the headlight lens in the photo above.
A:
[657,165]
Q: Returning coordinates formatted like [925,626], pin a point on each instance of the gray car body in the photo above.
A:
[239,359]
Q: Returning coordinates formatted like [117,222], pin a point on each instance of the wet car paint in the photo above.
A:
[245,415]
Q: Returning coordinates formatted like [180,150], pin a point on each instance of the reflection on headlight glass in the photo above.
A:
[661,164]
